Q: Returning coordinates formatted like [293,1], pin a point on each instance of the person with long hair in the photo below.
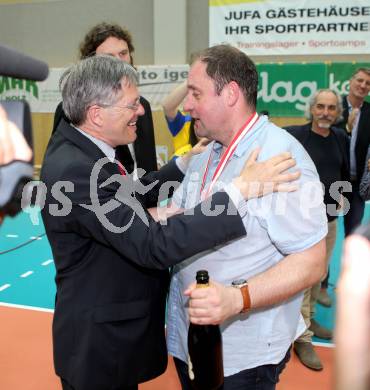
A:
[114,40]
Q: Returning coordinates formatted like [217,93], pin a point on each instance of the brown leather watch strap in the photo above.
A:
[246,298]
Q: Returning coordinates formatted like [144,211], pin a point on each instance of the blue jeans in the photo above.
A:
[259,378]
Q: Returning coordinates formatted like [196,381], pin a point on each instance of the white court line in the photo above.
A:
[5,286]
[35,238]
[26,307]
[28,273]
[320,344]
[12,235]
[47,262]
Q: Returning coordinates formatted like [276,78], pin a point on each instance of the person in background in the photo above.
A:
[13,145]
[352,337]
[276,261]
[328,148]
[180,125]
[111,257]
[356,121]
[111,39]
[365,180]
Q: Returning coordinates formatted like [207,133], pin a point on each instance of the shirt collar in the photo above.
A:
[350,105]
[244,143]
[217,147]
[108,150]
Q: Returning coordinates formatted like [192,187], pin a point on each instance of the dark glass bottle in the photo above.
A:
[206,370]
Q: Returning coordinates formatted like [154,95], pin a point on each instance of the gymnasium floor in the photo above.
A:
[27,299]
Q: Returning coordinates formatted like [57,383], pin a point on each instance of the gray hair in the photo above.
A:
[358,70]
[312,101]
[94,80]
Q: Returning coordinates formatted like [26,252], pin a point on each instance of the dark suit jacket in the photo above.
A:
[108,328]
[144,144]
[363,134]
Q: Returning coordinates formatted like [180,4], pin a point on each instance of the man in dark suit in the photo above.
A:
[356,121]
[111,257]
[328,148]
[105,38]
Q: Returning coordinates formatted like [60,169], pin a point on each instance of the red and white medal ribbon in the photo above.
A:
[244,130]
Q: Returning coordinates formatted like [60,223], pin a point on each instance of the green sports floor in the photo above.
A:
[27,268]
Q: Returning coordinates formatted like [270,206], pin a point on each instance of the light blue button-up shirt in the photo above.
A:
[277,225]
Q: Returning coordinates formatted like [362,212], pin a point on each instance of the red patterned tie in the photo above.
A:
[121,168]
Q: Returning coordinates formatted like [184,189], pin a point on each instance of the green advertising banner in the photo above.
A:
[339,74]
[284,89]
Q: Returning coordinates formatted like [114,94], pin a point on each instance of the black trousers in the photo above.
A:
[259,378]
[357,207]
[67,386]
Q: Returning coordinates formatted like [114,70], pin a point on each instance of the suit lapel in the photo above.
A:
[86,145]
[345,109]
[124,156]
[363,131]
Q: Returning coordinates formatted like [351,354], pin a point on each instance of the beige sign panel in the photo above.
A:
[24,1]
[291,27]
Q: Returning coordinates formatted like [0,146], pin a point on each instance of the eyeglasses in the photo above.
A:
[134,107]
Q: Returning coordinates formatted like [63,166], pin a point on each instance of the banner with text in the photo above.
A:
[283,88]
[291,27]
[155,82]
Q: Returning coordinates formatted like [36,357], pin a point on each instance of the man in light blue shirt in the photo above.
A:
[284,250]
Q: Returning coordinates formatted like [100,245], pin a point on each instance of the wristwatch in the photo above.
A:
[242,284]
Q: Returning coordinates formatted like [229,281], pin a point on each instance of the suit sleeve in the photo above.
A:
[343,122]
[145,143]
[168,179]
[345,141]
[119,221]
[125,225]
